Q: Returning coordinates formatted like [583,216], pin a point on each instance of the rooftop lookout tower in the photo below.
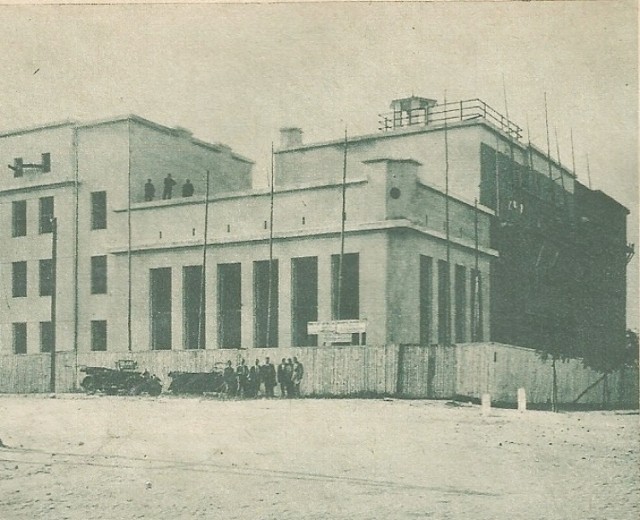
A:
[416,111]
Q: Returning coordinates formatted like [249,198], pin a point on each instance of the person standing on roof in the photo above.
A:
[149,191]
[187,189]
[169,183]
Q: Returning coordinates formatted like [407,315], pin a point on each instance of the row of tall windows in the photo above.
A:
[48,338]
[19,216]
[461,304]
[45,270]
[266,302]
[46,214]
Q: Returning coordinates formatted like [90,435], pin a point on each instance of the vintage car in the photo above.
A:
[197,382]
[125,379]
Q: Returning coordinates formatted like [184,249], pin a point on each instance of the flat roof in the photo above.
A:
[416,129]
[29,129]
[218,147]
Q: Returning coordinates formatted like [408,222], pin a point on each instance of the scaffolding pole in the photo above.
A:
[476,278]
[546,122]
[129,289]
[203,276]
[54,290]
[270,270]
[342,226]
[564,191]
[519,183]
[447,336]
[573,155]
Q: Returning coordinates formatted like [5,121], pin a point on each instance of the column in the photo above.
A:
[247,304]
[211,305]
[176,309]
[324,287]
[284,302]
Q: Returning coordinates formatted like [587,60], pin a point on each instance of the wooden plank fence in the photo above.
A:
[435,372]
[500,370]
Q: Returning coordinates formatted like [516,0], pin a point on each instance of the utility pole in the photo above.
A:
[54,256]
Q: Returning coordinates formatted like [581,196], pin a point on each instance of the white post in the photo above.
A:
[522,400]
[486,404]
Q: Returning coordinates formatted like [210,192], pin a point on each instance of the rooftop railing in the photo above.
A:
[457,111]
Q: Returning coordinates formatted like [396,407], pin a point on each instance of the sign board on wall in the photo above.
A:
[337,327]
[333,337]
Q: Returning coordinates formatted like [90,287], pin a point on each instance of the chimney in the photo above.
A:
[290,137]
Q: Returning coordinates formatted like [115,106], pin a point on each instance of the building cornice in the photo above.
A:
[186,201]
[456,198]
[32,187]
[369,227]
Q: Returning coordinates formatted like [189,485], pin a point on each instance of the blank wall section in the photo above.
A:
[229,305]
[304,299]
[160,282]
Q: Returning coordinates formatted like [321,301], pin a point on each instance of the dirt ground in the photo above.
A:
[92,457]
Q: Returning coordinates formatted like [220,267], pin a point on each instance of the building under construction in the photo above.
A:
[446,226]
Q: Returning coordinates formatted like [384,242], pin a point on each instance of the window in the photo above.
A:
[98,275]
[160,308]
[46,277]
[19,218]
[47,336]
[461,303]
[229,305]
[19,279]
[304,302]
[46,214]
[345,289]
[46,162]
[98,335]
[99,210]
[20,338]
[426,299]
[193,307]
[265,303]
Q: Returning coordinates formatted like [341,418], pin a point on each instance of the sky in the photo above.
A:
[237,73]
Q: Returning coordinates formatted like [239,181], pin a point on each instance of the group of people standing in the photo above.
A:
[244,381]
[167,192]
